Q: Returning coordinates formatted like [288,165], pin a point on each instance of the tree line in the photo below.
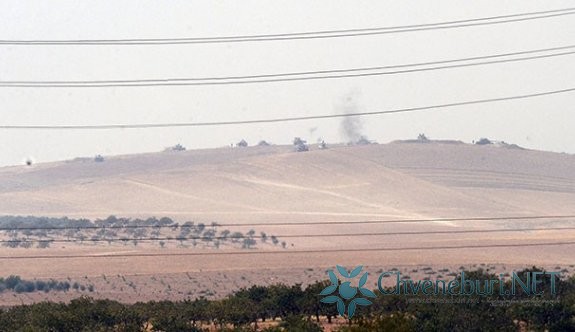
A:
[17,284]
[41,232]
[295,308]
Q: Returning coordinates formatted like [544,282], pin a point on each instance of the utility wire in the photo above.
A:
[491,20]
[360,222]
[291,252]
[288,77]
[322,235]
[286,119]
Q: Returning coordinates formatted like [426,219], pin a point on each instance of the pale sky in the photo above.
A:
[545,123]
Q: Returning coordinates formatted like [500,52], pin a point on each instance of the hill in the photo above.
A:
[317,189]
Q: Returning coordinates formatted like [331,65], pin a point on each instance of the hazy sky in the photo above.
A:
[544,123]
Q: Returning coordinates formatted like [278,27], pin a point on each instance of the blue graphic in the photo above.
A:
[346,292]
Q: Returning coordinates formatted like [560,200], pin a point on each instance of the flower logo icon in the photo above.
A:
[347,293]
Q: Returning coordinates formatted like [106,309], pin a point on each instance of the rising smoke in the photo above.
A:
[351,127]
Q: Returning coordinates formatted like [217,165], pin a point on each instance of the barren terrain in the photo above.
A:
[325,192]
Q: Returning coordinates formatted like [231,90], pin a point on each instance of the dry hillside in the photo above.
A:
[273,184]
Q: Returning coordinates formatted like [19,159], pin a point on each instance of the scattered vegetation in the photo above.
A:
[26,232]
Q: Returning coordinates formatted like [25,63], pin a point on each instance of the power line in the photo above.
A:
[286,236]
[491,20]
[291,252]
[359,222]
[288,77]
[286,119]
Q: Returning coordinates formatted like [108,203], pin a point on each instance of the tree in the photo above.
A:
[248,243]
[209,235]
[224,234]
[12,281]
[236,236]
[242,143]
[311,305]
[399,322]
[422,138]
[483,141]
[263,143]
[275,240]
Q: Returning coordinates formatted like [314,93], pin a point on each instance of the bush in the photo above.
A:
[12,281]
[483,141]
[263,143]
[25,287]
[242,143]
[41,285]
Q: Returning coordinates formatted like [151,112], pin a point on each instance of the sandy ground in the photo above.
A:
[275,185]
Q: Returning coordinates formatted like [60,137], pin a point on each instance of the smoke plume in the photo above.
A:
[350,127]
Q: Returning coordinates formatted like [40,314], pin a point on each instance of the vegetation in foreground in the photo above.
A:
[293,308]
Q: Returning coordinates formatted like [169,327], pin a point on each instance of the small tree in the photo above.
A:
[263,143]
[422,138]
[483,141]
[236,236]
[242,143]
[248,243]
[224,234]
